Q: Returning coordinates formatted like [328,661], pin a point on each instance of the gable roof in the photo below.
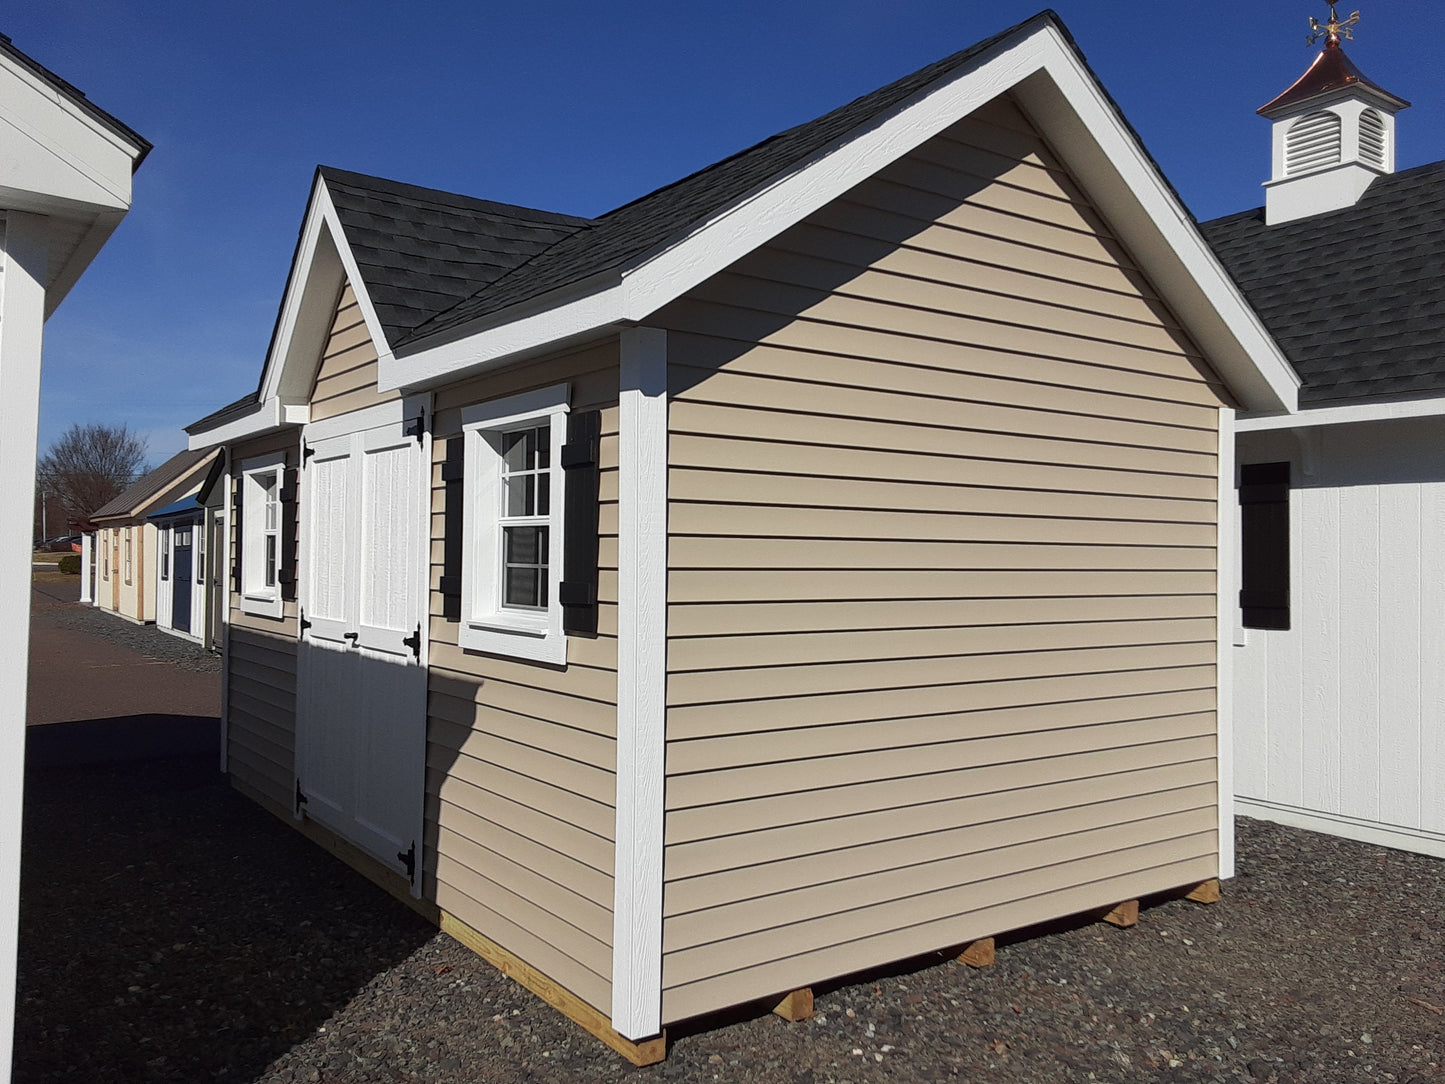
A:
[533,281]
[156,488]
[1355,297]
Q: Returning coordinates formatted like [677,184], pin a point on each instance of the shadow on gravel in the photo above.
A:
[122,740]
[172,930]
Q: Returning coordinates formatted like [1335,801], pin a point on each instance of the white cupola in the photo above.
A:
[1334,132]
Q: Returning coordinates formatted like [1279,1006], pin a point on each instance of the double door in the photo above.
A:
[361,685]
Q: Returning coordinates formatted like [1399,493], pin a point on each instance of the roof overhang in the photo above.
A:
[267,416]
[1071,110]
[60,158]
[1347,414]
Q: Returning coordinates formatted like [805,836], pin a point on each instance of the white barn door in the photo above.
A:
[361,695]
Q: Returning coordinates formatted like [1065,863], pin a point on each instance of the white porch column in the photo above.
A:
[87,569]
[23,258]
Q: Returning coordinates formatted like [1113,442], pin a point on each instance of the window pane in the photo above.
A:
[520,587]
[270,560]
[543,438]
[524,567]
[544,494]
[519,450]
[522,495]
[526,545]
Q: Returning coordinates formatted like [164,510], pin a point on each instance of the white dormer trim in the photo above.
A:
[1069,108]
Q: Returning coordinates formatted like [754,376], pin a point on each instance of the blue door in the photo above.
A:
[181,578]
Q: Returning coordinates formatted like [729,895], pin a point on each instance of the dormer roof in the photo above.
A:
[1331,73]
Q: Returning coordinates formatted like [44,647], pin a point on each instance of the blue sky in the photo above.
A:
[566,106]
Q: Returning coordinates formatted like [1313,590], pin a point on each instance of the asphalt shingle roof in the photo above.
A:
[421,251]
[608,243]
[1355,298]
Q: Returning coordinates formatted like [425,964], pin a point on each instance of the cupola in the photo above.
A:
[1334,132]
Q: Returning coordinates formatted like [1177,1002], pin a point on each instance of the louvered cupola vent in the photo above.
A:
[1313,143]
[1372,139]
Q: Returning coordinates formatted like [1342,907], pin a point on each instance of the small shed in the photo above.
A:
[808,565]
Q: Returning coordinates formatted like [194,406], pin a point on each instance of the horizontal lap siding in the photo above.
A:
[521,757]
[941,617]
[346,378]
[261,712]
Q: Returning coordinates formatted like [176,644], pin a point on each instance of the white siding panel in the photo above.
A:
[1360,615]
[1399,704]
[1319,620]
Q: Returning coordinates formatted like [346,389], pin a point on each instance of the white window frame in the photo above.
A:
[256,596]
[165,553]
[487,625]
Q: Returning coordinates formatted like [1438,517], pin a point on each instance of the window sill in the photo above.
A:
[529,642]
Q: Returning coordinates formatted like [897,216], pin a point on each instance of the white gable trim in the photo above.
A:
[1344,415]
[1069,108]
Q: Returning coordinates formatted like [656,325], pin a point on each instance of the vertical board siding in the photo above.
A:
[1338,716]
[941,661]
[521,779]
[346,378]
[261,705]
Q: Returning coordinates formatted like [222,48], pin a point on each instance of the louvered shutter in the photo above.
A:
[453,467]
[578,590]
[286,576]
[238,531]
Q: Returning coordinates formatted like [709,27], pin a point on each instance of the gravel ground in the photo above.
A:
[147,640]
[172,931]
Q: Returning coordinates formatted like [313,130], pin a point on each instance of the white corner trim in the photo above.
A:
[641,684]
[1344,415]
[1226,580]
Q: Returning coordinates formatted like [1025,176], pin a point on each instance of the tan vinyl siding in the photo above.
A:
[346,378]
[287,441]
[941,592]
[261,713]
[521,757]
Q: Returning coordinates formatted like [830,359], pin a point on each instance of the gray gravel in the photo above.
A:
[172,931]
[147,640]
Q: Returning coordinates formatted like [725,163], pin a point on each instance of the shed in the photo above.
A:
[126,543]
[805,566]
[1338,693]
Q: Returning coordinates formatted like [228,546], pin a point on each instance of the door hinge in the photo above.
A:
[414,642]
[307,452]
[301,622]
[416,427]
[408,859]
[300,797]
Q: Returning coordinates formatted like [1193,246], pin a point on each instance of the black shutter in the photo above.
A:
[1264,535]
[580,456]
[451,579]
[234,527]
[286,575]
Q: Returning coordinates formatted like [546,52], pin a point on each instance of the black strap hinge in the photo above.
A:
[307,452]
[414,642]
[408,859]
[300,797]
[416,427]
[302,623]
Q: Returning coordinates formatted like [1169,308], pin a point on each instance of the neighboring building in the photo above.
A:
[134,574]
[1339,684]
[65,184]
[808,565]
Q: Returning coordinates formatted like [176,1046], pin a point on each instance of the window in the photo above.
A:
[165,554]
[129,567]
[261,534]
[512,526]
[1264,540]
[105,555]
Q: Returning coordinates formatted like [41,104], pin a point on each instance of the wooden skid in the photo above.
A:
[1124,915]
[1206,892]
[648,1052]
[978,953]
[797,1006]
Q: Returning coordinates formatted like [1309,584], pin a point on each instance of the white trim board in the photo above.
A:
[1227,601]
[641,684]
[1382,835]
[1071,111]
[1343,415]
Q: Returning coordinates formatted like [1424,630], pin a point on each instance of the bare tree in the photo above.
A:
[90,465]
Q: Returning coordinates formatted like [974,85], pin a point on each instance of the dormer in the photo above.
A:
[1334,132]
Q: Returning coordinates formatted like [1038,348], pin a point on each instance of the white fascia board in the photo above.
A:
[323,261]
[669,272]
[1071,110]
[1073,113]
[267,416]
[1342,415]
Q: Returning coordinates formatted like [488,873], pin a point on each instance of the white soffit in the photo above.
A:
[1073,114]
